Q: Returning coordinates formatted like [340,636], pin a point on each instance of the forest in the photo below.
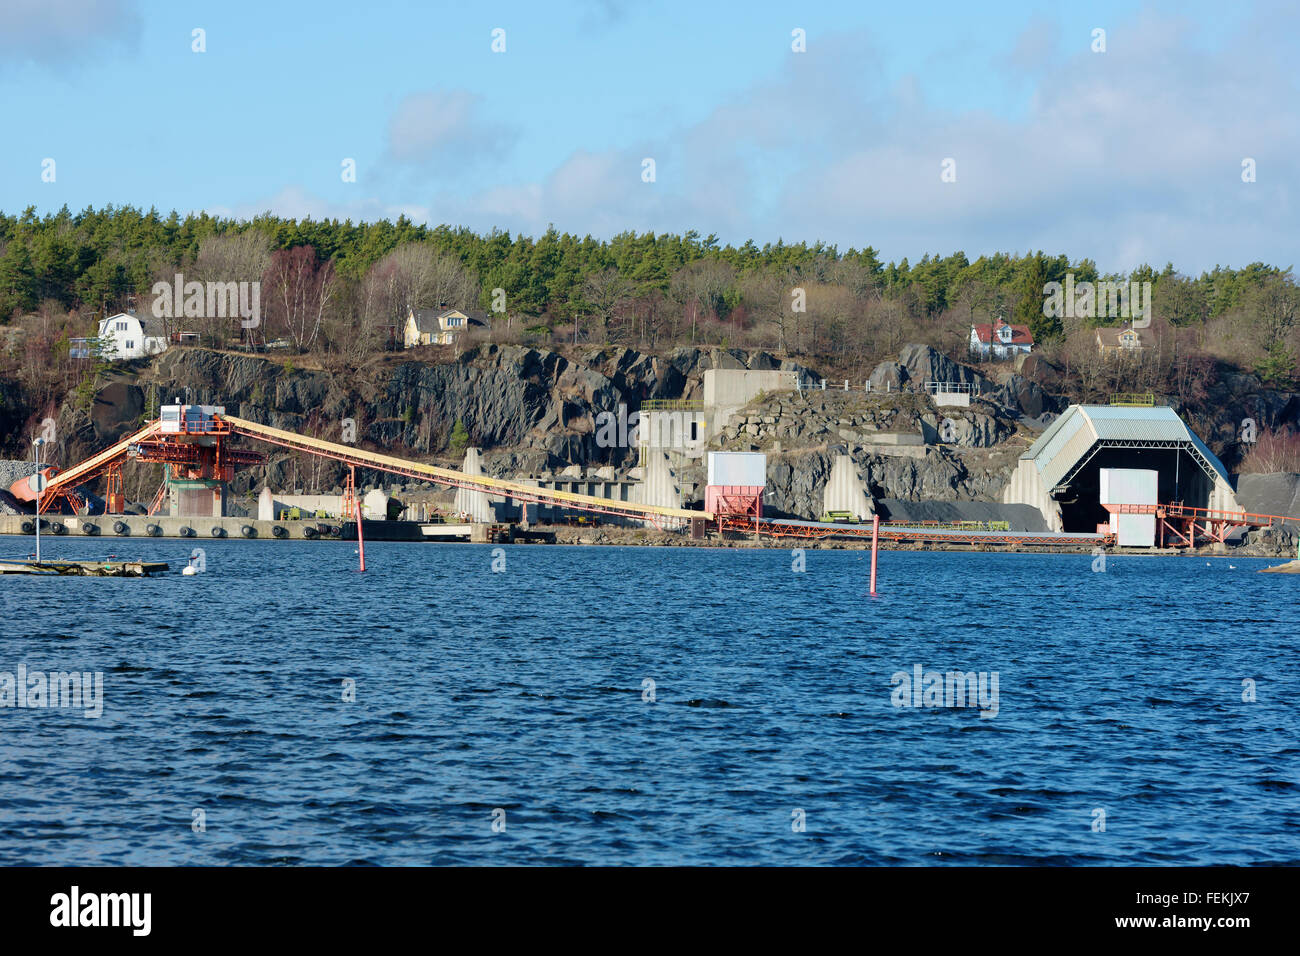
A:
[337,290]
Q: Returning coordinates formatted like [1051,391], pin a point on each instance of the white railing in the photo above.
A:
[951,388]
[823,385]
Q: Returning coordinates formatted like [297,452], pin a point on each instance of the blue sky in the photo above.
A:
[1125,156]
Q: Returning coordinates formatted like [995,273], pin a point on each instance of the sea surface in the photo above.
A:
[609,705]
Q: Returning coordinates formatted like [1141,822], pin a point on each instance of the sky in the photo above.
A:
[911,127]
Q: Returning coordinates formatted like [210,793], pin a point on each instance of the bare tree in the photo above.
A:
[231,257]
[299,291]
[419,276]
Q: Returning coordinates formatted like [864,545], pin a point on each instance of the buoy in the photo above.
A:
[189,569]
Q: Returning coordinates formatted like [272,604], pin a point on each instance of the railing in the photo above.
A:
[1133,399]
[951,388]
[672,405]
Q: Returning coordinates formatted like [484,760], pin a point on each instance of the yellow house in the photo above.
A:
[1120,339]
[439,326]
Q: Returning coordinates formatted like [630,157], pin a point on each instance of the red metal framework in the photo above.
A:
[893,532]
[195,450]
[1184,524]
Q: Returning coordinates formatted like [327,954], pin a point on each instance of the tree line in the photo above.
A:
[341,288]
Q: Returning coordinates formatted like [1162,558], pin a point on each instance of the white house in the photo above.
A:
[1000,340]
[127,336]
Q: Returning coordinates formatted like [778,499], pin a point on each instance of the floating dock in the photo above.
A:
[97,569]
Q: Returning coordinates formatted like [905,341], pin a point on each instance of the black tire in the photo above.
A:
[152,530]
[187,532]
[121,527]
[309,532]
[88,528]
[218,531]
[336,531]
[29,527]
[59,527]
[277,531]
[248,531]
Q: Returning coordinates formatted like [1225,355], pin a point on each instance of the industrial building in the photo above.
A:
[1062,473]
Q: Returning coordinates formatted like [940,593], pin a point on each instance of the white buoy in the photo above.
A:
[189,569]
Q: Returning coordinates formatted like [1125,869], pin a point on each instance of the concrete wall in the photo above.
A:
[734,387]
[272,506]
[171,528]
[844,490]
[1026,487]
[473,503]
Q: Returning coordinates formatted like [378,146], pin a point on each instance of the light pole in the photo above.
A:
[39,485]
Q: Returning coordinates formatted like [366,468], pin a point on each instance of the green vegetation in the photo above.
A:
[459,438]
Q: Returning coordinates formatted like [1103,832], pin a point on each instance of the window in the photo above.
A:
[130,345]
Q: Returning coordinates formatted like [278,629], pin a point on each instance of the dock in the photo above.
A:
[98,569]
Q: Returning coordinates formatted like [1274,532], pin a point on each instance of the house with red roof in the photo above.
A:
[999,340]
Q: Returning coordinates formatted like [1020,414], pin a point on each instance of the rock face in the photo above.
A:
[925,364]
[796,481]
[529,409]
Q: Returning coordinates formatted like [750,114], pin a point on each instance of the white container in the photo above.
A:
[1129,486]
[1135,531]
[746,469]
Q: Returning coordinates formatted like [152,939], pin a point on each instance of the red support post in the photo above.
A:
[875,548]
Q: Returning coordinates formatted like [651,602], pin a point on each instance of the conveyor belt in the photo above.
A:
[447,476]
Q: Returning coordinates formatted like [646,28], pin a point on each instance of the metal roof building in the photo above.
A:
[1059,474]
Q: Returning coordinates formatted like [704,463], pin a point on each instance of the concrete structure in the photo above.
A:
[1060,473]
[727,390]
[274,507]
[845,492]
[127,336]
[680,428]
[659,487]
[196,498]
[473,503]
[949,393]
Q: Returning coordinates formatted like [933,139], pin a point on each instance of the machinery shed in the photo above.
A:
[1060,474]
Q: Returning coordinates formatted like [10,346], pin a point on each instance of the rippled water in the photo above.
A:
[525,691]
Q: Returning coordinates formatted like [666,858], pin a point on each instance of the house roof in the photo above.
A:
[151,326]
[1020,334]
[1109,335]
[1080,427]
[429,320]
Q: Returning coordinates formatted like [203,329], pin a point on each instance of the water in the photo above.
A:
[522,691]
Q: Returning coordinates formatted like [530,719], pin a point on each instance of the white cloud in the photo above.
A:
[61,32]
[442,128]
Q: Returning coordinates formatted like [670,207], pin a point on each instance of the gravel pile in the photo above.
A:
[11,471]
